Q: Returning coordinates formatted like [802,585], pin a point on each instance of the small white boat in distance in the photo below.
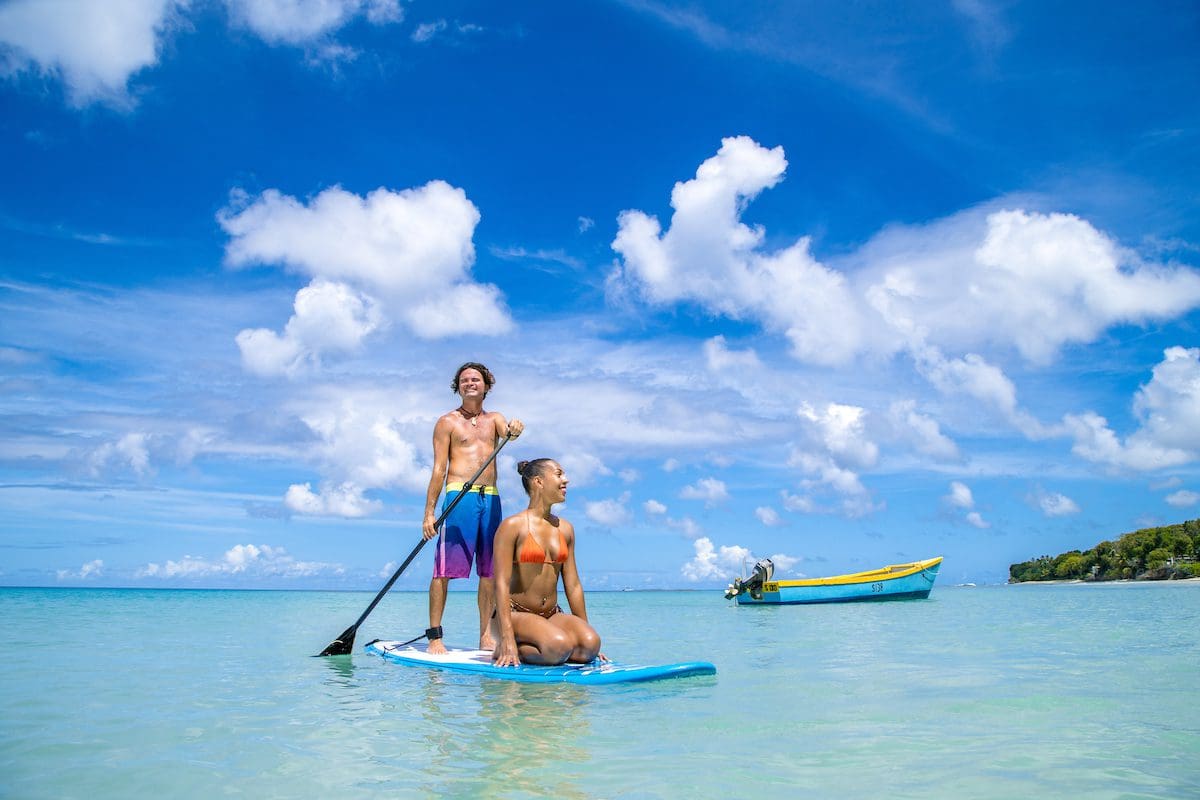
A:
[912,581]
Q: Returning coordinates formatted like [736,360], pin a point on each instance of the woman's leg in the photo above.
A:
[539,641]
[583,639]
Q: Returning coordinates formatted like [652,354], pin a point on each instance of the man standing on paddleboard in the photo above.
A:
[463,439]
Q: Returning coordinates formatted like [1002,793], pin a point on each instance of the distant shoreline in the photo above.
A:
[1098,583]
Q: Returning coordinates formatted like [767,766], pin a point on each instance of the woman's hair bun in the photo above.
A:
[521,465]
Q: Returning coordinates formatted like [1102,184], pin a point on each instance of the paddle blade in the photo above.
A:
[342,645]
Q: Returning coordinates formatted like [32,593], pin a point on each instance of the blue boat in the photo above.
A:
[913,581]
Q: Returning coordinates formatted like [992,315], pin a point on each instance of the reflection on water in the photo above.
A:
[341,669]
[434,734]
[492,738]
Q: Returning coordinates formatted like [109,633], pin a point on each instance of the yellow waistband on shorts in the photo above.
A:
[457,487]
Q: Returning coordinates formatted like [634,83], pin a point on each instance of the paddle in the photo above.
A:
[345,643]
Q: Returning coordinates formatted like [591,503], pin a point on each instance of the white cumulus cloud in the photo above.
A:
[340,500]
[96,47]
[837,446]
[362,447]
[720,358]
[960,495]
[611,513]
[244,559]
[957,296]
[841,429]
[395,242]
[299,21]
[976,519]
[710,257]
[130,452]
[768,516]
[1015,279]
[685,525]
[795,502]
[713,563]
[391,256]
[427,30]
[920,431]
[783,563]
[329,318]
[1054,504]
[710,490]
[1183,498]
[93,46]
[727,561]
[1168,409]
[92,569]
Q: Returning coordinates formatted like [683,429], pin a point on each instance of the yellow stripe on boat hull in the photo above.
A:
[887,573]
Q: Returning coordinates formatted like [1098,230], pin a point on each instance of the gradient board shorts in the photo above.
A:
[468,533]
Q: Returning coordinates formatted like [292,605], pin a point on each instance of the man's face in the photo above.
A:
[470,384]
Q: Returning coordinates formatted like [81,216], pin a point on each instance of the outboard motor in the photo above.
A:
[763,572]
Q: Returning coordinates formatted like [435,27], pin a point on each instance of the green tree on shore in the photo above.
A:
[1165,553]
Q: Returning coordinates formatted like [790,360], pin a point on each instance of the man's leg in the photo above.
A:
[487,604]
[452,559]
[437,606]
[491,515]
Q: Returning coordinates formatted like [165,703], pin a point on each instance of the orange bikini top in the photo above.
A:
[533,553]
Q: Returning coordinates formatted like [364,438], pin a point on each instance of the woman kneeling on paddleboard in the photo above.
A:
[532,549]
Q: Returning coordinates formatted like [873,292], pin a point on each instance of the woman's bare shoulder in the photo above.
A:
[510,526]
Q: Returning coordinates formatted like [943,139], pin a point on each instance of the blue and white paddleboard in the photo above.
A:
[479,662]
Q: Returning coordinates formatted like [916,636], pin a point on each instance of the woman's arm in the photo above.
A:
[572,587]
[506,654]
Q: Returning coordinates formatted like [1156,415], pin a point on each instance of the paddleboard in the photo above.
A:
[480,662]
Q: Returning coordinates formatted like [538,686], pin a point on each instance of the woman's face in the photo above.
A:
[554,482]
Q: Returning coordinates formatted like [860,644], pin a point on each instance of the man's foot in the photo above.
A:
[436,647]
[486,642]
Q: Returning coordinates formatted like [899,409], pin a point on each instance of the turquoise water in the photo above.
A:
[991,692]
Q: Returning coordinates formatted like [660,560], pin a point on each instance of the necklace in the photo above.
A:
[468,415]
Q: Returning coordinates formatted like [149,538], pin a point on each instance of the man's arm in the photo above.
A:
[441,462]
[507,428]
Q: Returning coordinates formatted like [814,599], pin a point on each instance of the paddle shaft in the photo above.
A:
[343,644]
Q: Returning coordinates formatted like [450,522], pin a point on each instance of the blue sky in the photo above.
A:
[840,284]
